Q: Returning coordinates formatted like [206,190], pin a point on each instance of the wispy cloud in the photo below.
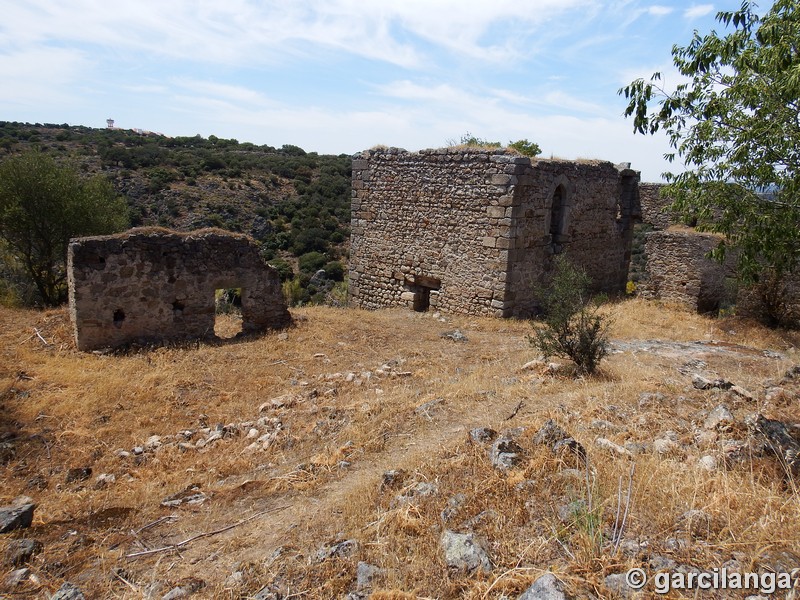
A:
[697,11]
[659,11]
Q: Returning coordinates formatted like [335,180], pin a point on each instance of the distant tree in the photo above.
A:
[42,206]
[735,126]
[526,148]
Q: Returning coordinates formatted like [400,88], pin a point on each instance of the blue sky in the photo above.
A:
[339,76]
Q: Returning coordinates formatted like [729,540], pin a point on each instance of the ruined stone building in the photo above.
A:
[676,266]
[475,231]
[154,285]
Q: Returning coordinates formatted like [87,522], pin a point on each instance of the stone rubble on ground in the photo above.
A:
[464,553]
[16,516]
[546,587]
[19,552]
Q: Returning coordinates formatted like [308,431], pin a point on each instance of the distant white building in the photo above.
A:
[110,123]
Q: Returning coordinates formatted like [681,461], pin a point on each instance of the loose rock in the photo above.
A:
[719,416]
[365,575]
[547,587]
[78,474]
[505,453]
[16,517]
[482,435]
[19,552]
[68,591]
[462,552]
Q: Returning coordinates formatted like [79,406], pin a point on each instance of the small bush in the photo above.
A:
[572,327]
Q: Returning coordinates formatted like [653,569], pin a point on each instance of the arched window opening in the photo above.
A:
[557,217]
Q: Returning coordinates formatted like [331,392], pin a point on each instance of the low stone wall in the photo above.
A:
[153,285]
[679,271]
[655,206]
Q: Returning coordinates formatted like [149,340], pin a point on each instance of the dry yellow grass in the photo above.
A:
[319,478]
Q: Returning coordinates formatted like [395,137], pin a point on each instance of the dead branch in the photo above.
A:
[179,545]
[515,411]
[39,335]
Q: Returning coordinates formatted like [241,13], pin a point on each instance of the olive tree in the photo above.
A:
[734,123]
[43,205]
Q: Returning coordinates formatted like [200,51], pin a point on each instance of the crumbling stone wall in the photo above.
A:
[655,206]
[678,270]
[474,231]
[154,285]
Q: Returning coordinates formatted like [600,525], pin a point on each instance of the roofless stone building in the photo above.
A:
[152,285]
[474,231]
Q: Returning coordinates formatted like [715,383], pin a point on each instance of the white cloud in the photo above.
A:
[659,11]
[41,73]
[698,10]
[249,32]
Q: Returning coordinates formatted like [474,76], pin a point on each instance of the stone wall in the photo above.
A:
[153,285]
[655,207]
[474,231]
[679,271]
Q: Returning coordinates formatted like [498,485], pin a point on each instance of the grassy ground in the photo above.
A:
[339,399]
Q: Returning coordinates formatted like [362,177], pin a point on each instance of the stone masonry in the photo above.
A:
[475,231]
[153,285]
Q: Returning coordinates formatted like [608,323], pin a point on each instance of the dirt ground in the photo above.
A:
[273,467]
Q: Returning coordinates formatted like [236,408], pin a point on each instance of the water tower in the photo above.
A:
[110,123]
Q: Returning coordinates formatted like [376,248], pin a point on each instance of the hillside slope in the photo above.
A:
[294,203]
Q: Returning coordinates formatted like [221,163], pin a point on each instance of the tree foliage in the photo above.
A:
[734,123]
[572,326]
[42,206]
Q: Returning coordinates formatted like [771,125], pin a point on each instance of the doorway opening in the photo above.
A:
[227,312]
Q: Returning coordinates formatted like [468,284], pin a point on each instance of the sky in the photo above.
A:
[341,76]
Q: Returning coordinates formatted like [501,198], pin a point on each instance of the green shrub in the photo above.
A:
[572,327]
[311,262]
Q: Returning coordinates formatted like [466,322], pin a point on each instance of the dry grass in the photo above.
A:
[319,479]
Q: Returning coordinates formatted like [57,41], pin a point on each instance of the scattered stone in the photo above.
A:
[138,450]
[708,462]
[719,416]
[16,517]
[234,580]
[603,425]
[186,587]
[423,489]
[651,399]
[429,408]
[68,591]
[455,335]
[636,448]
[701,383]
[667,444]
[505,453]
[735,451]
[152,443]
[462,552]
[18,552]
[783,439]
[662,563]
[618,584]
[190,495]
[17,577]
[365,575]
[533,364]
[570,446]
[37,482]
[742,393]
[78,474]
[550,434]
[547,587]
[482,435]
[612,447]
[393,478]
[103,480]
[634,548]
[454,504]
[340,549]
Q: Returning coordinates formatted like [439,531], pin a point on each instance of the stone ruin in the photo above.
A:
[475,231]
[676,265]
[153,285]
